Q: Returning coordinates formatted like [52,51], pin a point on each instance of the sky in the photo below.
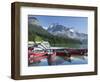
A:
[80,24]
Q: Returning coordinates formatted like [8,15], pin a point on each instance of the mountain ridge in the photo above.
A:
[67,32]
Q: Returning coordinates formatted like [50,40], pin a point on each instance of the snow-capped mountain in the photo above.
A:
[66,32]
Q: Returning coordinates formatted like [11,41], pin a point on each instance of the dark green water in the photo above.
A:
[70,45]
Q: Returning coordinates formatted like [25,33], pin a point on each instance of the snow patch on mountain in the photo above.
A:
[67,32]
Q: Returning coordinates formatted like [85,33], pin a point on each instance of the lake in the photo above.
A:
[71,45]
[61,61]
[74,60]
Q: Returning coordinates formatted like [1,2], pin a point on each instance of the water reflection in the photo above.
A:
[62,61]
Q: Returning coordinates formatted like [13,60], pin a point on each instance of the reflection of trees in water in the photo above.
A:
[70,45]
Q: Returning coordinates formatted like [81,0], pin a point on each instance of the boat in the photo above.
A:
[34,57]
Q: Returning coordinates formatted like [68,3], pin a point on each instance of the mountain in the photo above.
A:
[36,32]
[33,21]
[66,32]
[35,27]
